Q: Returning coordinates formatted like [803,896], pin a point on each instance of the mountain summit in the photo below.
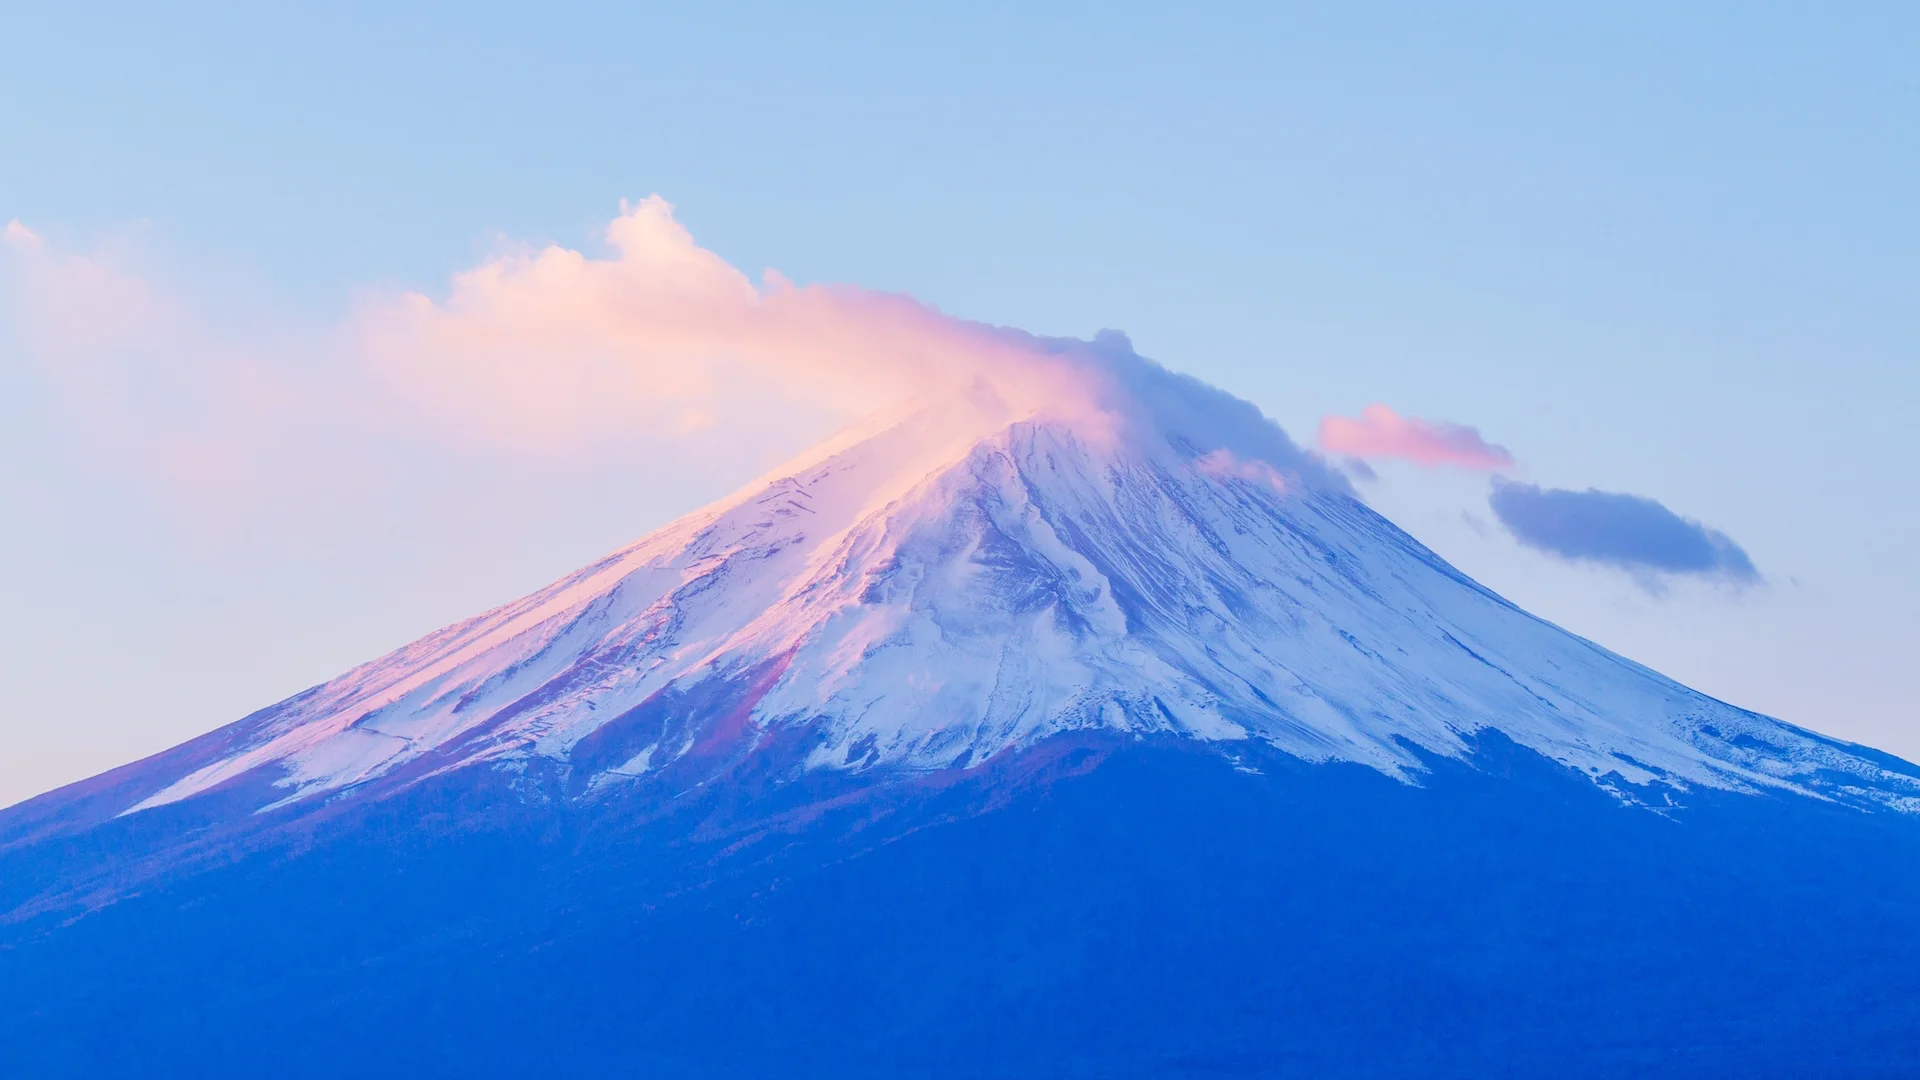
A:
[946,640]
[963,580]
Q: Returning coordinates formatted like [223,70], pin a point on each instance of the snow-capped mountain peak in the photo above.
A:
[968,576]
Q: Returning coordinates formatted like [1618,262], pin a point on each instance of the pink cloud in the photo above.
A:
[652,349]
[544,349]
[16,233]
[136,377]
[1379,432]
[75,305]
[1224,464]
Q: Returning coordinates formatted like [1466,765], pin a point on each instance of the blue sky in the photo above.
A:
[1667,253]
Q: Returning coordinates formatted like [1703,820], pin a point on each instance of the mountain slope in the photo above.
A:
[1118,723]
[1154,913]
[962,582]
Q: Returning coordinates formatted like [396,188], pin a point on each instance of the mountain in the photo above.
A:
[1108,735]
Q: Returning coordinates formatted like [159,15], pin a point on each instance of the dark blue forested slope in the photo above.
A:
[1098,908]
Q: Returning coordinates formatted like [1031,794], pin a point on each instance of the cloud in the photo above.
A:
[543,352]
[546,348]
[1379,432]
[75,305]
[137,373]
[652,348]
[1630,532]
[16,233]
[1224,464]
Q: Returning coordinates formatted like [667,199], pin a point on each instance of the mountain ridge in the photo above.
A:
[966,579]
[1111,735]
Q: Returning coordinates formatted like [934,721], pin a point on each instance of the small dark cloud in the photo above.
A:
[1359,469]
[1630,532]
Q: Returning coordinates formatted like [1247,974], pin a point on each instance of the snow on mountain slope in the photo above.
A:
[967,577]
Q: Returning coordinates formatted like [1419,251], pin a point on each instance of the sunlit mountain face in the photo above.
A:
[1100,732]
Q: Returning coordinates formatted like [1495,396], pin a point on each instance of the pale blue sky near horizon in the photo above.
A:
[1670,250]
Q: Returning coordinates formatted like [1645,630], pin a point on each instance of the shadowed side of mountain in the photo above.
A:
[1092,907]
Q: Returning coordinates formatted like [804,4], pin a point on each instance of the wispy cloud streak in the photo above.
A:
[1379,432]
